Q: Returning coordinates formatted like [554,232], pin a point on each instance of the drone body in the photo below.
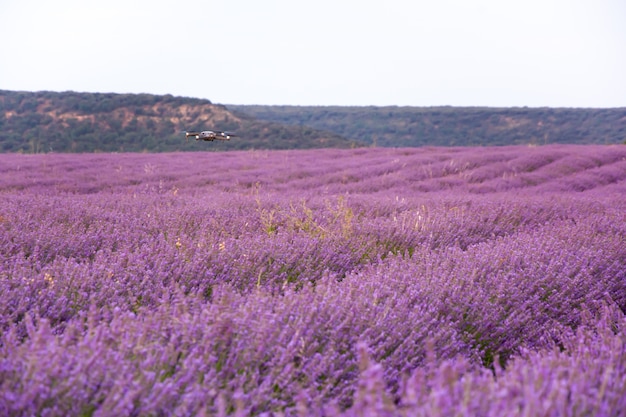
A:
[209,135]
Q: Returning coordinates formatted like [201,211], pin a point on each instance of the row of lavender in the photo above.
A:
[456,281]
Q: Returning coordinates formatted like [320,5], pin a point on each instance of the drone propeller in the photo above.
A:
[188,134]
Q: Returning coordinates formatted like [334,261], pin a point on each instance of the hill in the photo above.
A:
[36,122]
[452,126]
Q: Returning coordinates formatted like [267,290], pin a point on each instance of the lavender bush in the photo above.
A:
[392,282]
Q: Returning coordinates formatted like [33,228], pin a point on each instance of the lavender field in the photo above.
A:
[389,282]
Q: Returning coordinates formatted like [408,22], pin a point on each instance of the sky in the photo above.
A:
[496,53]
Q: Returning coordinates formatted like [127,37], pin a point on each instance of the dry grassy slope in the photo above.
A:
[144,116]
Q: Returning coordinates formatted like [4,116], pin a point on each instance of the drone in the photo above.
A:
[209,135]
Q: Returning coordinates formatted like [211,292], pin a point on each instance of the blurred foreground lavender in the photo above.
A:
[417,282]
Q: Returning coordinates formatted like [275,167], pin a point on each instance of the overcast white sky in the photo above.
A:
[557,53]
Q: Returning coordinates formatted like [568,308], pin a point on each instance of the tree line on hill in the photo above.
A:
[34,122]
[453,126]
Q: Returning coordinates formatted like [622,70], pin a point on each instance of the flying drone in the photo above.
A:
[209,135]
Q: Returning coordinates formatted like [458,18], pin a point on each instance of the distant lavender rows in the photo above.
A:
[427,281]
